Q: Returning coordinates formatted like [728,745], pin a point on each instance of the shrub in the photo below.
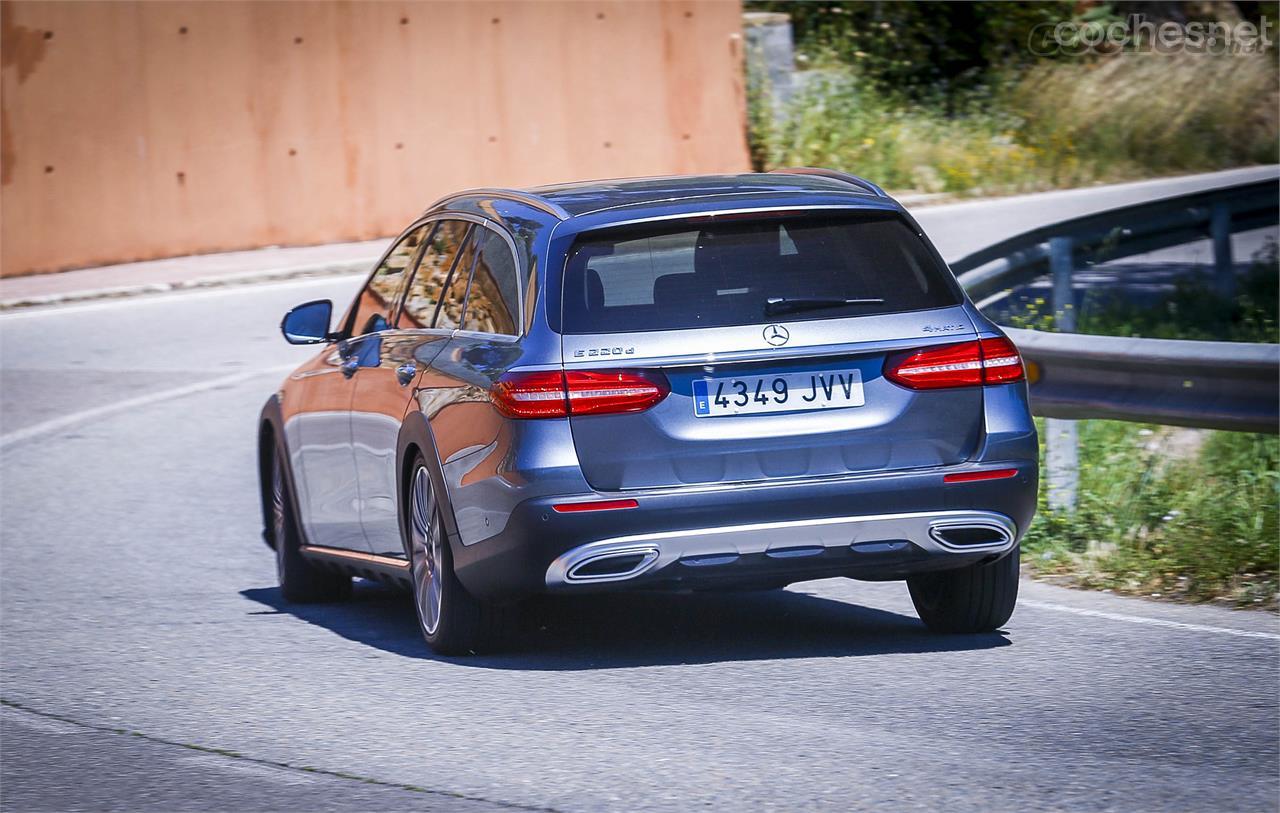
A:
[1170,512]
[1060,123]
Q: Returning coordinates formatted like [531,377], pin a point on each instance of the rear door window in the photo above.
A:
[428,281]
[723,272]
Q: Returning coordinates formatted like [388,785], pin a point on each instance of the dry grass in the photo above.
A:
[1143,113]
[1061,124]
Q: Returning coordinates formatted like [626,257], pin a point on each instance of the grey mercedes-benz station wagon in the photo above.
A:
[710,382]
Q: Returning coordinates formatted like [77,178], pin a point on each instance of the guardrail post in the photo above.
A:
[1224,270]
[1060,266]
[1062,459]
[770,46]
[1062,456]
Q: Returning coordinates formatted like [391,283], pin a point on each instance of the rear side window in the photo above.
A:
[454,299]
[494,296]
[717,273]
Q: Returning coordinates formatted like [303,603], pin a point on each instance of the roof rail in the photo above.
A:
[508,194]
[852,180]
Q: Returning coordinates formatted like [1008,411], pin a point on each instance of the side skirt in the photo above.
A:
[387,569]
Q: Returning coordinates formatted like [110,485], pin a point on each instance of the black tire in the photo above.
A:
[301,582]
[463,624]
[978,598]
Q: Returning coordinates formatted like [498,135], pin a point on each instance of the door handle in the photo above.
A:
[349,366]
[405,373]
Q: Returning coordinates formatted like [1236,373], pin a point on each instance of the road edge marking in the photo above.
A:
[204,749]
[64,421]
[1140,619]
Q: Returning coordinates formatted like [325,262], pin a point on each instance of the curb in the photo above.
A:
[222,281]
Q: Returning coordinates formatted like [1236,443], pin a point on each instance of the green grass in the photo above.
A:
[1192,310]
[1056,124]
[1165,512]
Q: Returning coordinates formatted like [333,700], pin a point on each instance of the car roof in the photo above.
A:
[570,200]
[593,196]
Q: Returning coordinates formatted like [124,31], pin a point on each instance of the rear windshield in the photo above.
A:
[720,272]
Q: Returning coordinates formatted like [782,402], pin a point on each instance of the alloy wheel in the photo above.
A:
[277,515]
[425,555]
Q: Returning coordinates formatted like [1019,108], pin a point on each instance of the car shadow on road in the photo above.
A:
[638,629]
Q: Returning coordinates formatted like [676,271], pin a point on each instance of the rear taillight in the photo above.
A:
[598,392]
[531,395]
[580,392]
[1000,362]
[964,364]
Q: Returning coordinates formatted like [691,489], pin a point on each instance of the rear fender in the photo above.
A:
[415,431]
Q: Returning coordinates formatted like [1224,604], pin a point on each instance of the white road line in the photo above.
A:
[38,722]
[64,421]
[1138,619]
[219,762]
[168,297]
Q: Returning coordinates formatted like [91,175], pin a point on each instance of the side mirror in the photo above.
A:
[308,323]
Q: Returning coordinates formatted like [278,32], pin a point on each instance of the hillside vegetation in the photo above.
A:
[982,115]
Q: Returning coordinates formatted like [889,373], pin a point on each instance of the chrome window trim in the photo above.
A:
[492,226]
[480,334]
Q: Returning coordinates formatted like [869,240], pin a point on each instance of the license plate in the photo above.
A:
[791,392]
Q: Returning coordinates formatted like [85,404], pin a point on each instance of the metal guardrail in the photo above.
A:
[1125,232]
[1216,385]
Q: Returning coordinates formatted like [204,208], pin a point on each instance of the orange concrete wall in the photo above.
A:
[135,130]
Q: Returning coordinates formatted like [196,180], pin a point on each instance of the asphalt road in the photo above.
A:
[148,663]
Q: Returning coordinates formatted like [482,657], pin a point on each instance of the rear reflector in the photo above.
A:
[963,364]
[971,476]
[556,394]
[597,505]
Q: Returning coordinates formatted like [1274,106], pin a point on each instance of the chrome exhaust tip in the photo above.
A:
[611,565]
[968,535]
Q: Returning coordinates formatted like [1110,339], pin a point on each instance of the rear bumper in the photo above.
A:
[868,540]
[872,527]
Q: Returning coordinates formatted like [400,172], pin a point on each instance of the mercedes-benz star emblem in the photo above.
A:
[776,335]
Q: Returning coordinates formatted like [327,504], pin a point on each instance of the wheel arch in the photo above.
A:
[271,440]
[416,437]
